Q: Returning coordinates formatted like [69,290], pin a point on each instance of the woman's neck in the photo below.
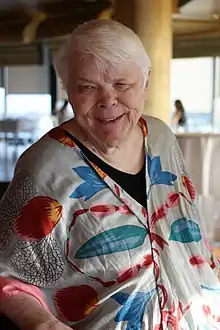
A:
[120,155]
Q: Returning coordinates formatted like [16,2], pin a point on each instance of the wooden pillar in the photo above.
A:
[152,21]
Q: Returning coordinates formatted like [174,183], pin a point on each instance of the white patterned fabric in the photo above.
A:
[74,239]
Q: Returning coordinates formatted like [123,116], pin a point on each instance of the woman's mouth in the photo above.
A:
[112,120]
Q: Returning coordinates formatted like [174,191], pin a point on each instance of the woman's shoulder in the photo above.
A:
[161,139]
[46,152]
[157,128]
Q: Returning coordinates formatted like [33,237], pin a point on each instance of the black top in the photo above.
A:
[133,184]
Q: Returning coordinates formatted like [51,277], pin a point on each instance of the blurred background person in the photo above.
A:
[179,118]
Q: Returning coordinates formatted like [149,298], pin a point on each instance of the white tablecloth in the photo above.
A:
[202,158]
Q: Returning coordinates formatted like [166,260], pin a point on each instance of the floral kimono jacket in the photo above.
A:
[74,239]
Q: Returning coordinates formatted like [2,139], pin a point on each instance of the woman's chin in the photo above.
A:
[111,139]
[112,133]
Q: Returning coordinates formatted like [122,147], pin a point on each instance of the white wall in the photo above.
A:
[27,79]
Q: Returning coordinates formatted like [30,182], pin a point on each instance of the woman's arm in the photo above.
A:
[24,304]
[25,311]
[21,268]
[175,119]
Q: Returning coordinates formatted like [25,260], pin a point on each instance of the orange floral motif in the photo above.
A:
[76,302]
[143,123]
[38,218]
[189,186]
[59,135]
[99,171]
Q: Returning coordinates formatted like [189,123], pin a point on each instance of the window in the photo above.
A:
[192,81]
[35,108]
[28,105]
[2,103]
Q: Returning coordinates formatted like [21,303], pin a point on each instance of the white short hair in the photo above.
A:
[108,41]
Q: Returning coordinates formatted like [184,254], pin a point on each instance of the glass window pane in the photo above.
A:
[28,105]
[2,102]
[192,83]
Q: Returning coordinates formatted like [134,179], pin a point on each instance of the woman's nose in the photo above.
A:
[108,99]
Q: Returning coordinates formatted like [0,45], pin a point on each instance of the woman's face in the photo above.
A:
[107,102]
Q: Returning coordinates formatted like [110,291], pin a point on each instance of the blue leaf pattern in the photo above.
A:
[156,174]
[91,185]
[185,231]
[121,297]
[133,309]
[208,288]
[118,239]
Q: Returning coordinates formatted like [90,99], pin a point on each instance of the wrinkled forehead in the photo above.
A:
[89,67]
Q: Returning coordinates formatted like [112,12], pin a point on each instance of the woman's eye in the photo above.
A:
[122,86]
[86,88]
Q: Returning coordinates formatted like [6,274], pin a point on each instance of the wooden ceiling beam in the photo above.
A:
[183,2]
[211,33]
[13,16]
[62,18]
[175,6]
[51,27]
[65,7]
[56,9]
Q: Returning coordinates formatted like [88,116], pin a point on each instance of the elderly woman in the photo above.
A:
[99,227]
